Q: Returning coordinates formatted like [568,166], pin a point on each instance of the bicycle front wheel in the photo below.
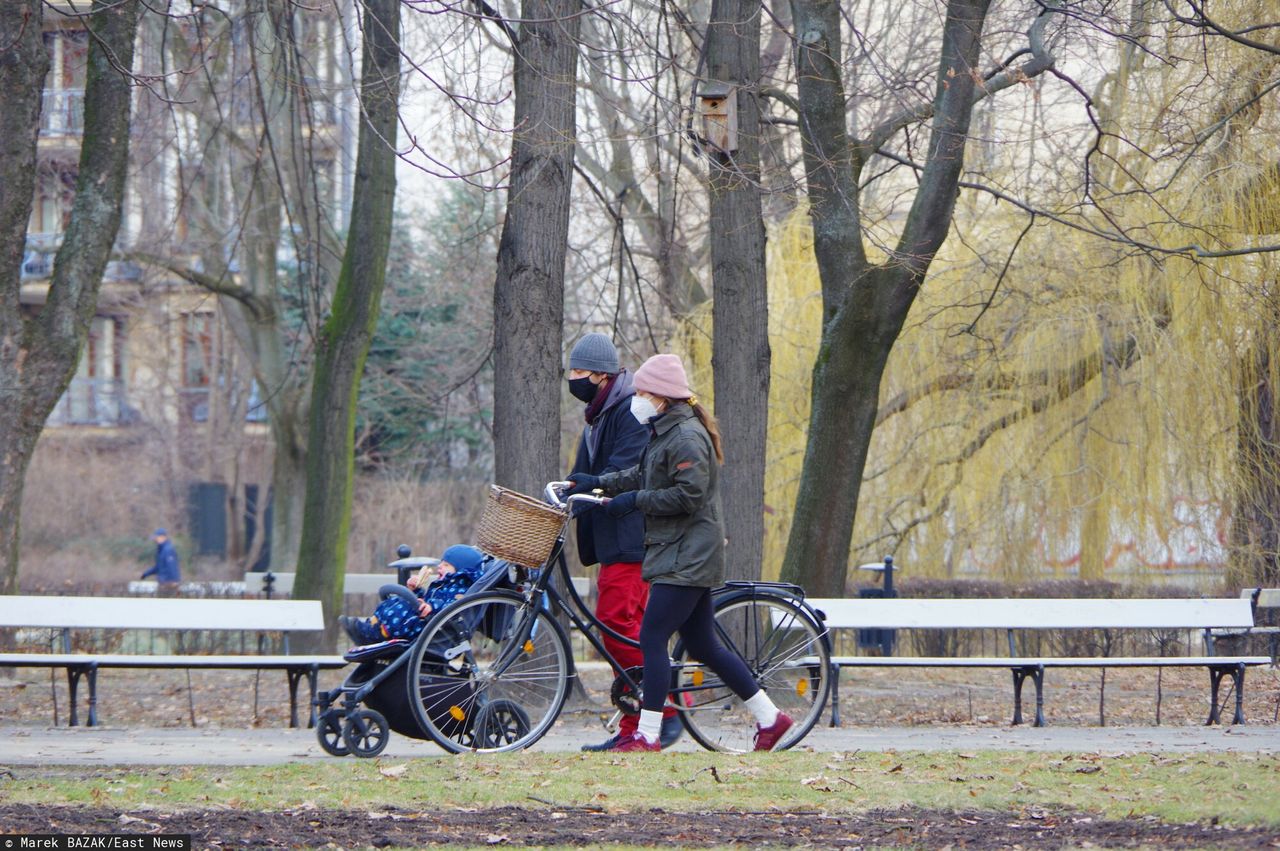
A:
[785,651]
[489,673]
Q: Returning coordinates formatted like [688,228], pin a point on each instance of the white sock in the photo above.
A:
[650,725]
[762,707]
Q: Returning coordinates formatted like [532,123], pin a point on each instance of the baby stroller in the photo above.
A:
[393,687]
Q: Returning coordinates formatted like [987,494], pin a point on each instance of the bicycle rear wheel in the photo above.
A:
[489,673]
[785,651]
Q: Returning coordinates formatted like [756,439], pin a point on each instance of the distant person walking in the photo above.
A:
[612,440]
[165,570]
[676,486]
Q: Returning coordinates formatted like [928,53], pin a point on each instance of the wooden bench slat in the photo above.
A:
[121,660]
[1046,661]
[160,613]
[1032,613]
[352,583]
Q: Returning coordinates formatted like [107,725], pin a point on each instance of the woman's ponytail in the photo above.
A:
[708,421]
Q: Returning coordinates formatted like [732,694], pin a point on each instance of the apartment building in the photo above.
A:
[161,372]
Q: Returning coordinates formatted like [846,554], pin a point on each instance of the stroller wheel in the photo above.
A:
[500,722]
[366,732]
[329,733]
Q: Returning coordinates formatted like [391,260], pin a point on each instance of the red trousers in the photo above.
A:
[621,596]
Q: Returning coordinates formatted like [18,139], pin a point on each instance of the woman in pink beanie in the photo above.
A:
[677,488]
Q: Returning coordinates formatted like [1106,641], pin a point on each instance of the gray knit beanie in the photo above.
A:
[595,353]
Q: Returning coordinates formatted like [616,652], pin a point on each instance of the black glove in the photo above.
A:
[583,483]
[623,503]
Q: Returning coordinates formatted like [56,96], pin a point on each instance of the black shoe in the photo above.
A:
[350,625]
[606,745]
[672,729]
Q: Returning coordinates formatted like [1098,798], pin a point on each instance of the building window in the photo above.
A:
[197,365]
[197,350]
[62,110]
[96,394]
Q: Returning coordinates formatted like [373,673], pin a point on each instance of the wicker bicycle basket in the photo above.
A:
[518,528]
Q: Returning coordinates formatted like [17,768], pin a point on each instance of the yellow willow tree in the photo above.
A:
[1089,385]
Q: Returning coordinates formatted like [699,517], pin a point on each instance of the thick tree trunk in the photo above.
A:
[528,298]
[864,306]
[1255,517]
[344,340]
[23,63]
[39,356]
[740,310]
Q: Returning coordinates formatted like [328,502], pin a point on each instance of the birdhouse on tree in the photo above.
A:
[718,112]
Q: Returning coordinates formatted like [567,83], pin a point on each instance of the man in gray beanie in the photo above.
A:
[612,440]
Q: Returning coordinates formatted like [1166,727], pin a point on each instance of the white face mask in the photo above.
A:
[642,409]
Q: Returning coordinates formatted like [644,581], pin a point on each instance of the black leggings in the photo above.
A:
[686,609]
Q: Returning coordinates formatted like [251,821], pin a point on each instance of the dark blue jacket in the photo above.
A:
[614,441]
[166,567]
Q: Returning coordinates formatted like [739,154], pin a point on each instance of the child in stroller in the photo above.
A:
[460,566]
[380,694]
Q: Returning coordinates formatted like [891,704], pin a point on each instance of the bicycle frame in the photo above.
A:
[571,604]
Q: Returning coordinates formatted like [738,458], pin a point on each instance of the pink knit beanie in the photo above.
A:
[663,375]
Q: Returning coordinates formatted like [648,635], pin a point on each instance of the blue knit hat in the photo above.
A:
[466,560]
[595,353]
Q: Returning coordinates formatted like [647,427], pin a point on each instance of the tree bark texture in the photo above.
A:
[528,297]
[1255,517]
[864,304]
[39,356]
[343,342]
[740,309]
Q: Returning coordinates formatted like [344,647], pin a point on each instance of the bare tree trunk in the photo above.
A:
[740,309]
[1255,517]
[343,342]
[39,356]
[528,298]
[864,305]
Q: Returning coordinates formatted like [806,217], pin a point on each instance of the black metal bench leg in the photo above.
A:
[1019,677]
[74,673]
[1238,676]
[1039,678]
[1216,673]
[295,675]
[835,695]
[313,673]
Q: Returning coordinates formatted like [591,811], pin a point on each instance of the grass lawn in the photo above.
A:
[1229,788]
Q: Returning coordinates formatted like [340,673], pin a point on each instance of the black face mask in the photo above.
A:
[583,390]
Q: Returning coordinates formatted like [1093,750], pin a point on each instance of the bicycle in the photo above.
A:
[508,658]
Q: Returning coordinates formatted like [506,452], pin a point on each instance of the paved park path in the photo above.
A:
[29,745]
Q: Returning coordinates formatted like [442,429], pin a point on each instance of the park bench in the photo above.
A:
[255,583]
[63,615]
[1264,602]
[1012,615]
[282,583]
[215,588]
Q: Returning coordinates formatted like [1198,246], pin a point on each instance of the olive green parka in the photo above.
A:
[678,479]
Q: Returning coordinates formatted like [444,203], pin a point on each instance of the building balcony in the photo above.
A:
[62,113]
[37,257]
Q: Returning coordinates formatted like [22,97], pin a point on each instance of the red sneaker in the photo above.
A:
[635,743]
[767,737]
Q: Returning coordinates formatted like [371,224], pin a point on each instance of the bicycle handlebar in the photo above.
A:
[553,490]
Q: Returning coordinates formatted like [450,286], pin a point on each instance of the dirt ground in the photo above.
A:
[577,827]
